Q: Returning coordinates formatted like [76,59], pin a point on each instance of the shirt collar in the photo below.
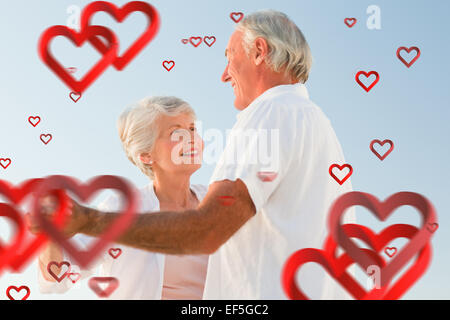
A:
[298,88]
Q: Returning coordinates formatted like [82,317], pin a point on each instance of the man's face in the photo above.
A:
[240,72]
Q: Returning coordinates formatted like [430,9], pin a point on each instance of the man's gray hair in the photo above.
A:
[288,49]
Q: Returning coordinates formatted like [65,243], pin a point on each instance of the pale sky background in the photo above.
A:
[408,106]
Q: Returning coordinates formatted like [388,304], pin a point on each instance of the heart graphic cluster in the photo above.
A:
[341,235]
[23,246]
[101,38]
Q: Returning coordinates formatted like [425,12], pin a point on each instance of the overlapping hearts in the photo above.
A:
[419,245]
[22,249]
[107,45]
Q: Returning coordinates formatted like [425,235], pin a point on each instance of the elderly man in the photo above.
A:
[272,214]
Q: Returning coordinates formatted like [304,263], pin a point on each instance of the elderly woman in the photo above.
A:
[160,138]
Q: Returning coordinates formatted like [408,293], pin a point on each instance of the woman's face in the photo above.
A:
[178,147]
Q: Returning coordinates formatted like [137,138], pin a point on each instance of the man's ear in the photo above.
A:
[261,50]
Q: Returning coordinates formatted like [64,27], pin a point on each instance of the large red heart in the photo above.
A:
[8,252]
[367,75]
[381,210]
[377,242]
[109,54]
[16,195]
[85,192]
[336,267]
[120,14]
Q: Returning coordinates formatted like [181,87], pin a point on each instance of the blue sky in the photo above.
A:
[408,106]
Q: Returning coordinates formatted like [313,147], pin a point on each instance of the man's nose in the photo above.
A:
[225,76]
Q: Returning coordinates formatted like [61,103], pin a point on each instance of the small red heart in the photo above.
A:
[367,75]
[226,200]
[195,41]
[167,63]
[46,138]
[209,40]
[112,282]
[75,96]
[432,227]
[74,276]
[381,143]
[184,41]
[115,252]
[25,297]
[236,16]
[330,170]
[59,266]
[350,22]
[34,121]
[72,69]
[390,251]
[5,162]
[408,50]
[267,176]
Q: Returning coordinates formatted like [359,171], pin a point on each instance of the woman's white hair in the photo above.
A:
[138,126]
[288,49]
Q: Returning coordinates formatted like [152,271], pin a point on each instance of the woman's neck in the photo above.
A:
[173,189]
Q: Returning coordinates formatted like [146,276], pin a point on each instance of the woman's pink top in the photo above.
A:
[184,277]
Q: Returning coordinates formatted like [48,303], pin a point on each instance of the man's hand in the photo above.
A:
[48,205]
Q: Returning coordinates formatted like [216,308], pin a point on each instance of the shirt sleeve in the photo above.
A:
[82,242]
[259,150]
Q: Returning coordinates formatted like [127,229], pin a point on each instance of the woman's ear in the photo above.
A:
[261,50]
[146,158]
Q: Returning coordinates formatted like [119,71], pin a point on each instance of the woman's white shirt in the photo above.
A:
[140,273]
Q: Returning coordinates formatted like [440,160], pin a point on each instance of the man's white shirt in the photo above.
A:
[292,209]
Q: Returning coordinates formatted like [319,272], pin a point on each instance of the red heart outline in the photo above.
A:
[119,14]
[381,143]
[78,38]
[408,50]
[5,159]
[382,211]
[94,285]
[336,267]
[192,39]
[112,253]
[85,192]
[346,165]
[236,20]
[59,265]
[75,99]
[77,274]
[18,289]
[30,118]
[377,242]
[16,195]
[346,21]
[8,252]
[206,39]
[367,74]
[168,62]
[46,135]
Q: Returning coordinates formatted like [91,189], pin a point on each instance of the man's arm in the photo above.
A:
[200,231]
